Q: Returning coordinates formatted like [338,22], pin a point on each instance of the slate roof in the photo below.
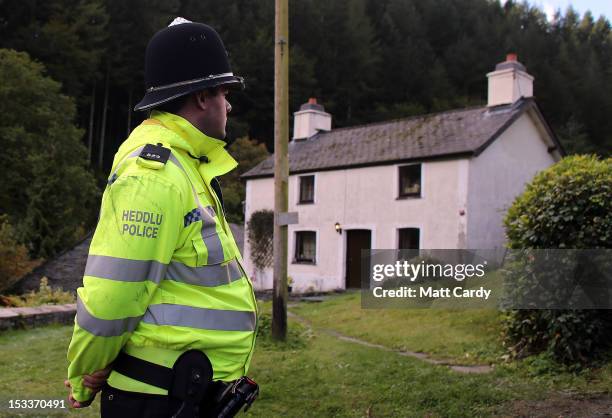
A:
[64,271]
[452,133]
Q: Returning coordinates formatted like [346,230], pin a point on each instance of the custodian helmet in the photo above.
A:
[184,58]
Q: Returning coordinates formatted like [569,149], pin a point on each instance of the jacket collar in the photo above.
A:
[198,144]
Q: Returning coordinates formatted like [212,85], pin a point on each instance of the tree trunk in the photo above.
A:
[129,112]
[92,112]
[104,112]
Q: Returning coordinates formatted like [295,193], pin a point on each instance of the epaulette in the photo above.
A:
[153,156]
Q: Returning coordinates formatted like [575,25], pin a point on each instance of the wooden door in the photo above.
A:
[356,240]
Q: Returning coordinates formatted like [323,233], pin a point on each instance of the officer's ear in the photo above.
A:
[201,99]
[203,96]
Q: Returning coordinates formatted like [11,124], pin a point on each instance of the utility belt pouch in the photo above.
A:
[192,377]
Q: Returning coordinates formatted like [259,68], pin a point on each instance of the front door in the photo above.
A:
[356,240]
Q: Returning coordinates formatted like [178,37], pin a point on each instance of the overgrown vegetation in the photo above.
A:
[565,206]
[259,235]
[45,295]
[14,260]
[297,335]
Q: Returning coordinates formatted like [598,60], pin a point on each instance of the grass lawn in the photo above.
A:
[317,375]
[33,366]
[467,336]
[462,337]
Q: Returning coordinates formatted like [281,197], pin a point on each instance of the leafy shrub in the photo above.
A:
[14,260]
[260,230]
[565,206]
[45,295]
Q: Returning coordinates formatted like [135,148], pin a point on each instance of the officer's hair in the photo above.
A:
[175,105]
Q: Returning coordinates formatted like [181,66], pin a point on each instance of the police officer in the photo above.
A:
[165,303]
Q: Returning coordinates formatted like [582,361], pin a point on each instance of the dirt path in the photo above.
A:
[421,356]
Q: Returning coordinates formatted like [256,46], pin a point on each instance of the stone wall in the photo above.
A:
[12,318]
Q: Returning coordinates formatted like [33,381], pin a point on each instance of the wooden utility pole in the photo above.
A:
[281,167]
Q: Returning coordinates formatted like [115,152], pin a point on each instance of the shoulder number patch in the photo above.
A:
[156,153]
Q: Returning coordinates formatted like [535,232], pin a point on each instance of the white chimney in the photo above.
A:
[509,82]
[310,119]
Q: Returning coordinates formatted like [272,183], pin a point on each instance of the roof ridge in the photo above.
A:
[406,118]
[466,130]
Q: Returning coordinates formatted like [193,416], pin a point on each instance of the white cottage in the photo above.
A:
[437,181]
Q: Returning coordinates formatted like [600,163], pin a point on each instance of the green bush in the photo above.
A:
[565,206]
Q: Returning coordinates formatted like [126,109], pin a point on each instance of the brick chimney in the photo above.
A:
[310,119]
[509,82]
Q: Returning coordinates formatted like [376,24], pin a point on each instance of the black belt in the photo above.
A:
[190,381]
[151,373]
[144,371]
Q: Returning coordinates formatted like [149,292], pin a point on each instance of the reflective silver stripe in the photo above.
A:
[202,318]
[209,276]
[125,270]
[195,80]
[211,211]
[134,153]
[210,237]
[104,327]
[178,164]
[209,232]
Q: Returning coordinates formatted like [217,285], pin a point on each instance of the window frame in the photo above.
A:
[296,247]
[414,195]
[299,190]
[399,237]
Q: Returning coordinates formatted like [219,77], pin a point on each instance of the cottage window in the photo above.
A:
[305,247]
[409,238]
[307,189]
[410,181]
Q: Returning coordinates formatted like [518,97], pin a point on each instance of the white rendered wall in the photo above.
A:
[500,174]
[364,198]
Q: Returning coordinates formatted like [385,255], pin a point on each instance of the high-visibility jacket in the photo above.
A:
[164,274]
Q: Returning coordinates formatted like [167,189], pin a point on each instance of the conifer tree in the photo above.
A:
[45,187]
